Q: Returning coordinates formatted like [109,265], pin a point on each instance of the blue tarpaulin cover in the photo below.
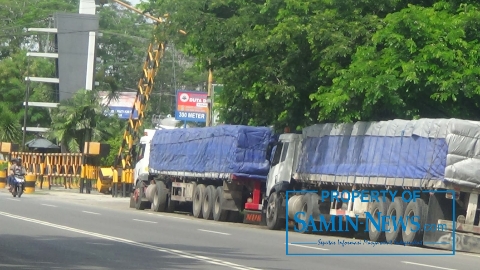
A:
[231,149]
[424,149]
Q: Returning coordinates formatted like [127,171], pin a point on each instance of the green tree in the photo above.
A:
[421,62]
[79,119]
[10,129]
[293,62]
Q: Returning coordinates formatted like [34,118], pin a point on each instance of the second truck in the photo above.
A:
[437,158]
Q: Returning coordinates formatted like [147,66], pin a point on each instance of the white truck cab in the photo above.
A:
[141,170]
[143,156]
[284,161]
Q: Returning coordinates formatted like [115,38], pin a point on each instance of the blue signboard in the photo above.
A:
[122,112]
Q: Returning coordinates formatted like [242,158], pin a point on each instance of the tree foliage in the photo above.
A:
[422,62]
[80,119]
[297,62]
[122,48]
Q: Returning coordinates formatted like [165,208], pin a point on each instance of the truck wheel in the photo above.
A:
[311,209]
[413,233]
[395,211]
[376,209]
[208,202]
[139,204]
[273,212]
[132,200]
[159,197]
[198,201]
[218,213]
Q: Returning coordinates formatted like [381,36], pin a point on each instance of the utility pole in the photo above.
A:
[209,95]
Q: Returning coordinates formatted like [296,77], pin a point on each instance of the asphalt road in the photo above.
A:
[80,231]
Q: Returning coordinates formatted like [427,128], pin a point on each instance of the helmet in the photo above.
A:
[13,160]
[19,160]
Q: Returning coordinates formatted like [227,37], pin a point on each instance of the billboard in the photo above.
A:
[122,106]
[76,52]
[192,106]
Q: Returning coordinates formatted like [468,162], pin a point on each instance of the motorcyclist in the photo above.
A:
[11,178]
[17,171]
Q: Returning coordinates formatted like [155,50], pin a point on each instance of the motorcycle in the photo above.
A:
[18,187]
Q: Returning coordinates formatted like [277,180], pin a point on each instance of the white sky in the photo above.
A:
[134,2]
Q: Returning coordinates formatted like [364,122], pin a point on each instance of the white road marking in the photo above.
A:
[467,254]
[160,215]
[88,212]
[427,265]
[172,217]
[317,248]
[140,220]
[133,243]
[101,244]
[12,199]
[49,205]
[214,232]
[47,239]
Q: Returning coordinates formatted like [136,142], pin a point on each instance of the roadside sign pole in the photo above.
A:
[209,96]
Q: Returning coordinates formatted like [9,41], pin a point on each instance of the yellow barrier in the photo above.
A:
[61,170]
[105,179]
[3,178]
[30,183]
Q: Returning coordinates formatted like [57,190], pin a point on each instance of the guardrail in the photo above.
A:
[61,170]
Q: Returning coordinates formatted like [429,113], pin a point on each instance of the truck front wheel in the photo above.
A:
[274,222]
[140,194]
[132,200]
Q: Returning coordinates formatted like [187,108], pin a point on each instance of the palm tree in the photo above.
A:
[10,128]
[76,120]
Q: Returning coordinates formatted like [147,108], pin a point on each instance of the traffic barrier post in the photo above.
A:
[3,178]
[30,180]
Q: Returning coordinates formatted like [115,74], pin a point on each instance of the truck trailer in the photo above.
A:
[219,171]
[429,156]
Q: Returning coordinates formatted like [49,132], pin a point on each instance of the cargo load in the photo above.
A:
[397,152]
[218,152]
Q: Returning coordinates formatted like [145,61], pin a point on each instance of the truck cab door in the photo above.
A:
[281,166]
[141,162]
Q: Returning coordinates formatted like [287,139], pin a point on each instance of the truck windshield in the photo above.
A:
[276,155]
[141,151]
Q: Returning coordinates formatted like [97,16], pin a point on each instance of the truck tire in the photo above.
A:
[132,200]
[414,208]
[273,212]
[218,213]
[311,208]
[208,202]
[139,203]
[397,210]
[160,197]
[375,208]
[198,201]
